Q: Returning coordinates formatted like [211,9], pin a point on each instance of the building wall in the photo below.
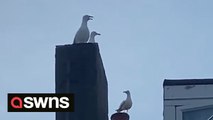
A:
[79,70]
[185,99]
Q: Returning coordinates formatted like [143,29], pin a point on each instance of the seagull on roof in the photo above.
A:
[126,104]
[82,34]
[92,37]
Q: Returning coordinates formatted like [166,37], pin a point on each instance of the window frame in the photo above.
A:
[185,108]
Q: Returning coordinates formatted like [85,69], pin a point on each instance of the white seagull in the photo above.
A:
[92,37]
[126,104]
[82,34]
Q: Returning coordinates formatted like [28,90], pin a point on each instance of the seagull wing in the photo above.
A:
[121,106]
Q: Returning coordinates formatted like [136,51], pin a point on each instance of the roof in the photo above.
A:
[177,82]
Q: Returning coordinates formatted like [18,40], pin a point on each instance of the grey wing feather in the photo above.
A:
[121,106]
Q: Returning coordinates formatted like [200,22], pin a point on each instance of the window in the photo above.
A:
[195,112]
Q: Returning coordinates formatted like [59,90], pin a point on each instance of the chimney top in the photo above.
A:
[120,116]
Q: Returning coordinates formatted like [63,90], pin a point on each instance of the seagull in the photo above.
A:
[126,104]
[82,34]
[92,37]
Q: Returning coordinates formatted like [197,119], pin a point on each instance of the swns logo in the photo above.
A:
[40,102]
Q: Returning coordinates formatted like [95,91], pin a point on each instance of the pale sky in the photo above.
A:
[142,43]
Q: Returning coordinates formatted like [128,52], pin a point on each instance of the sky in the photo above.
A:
[142,43]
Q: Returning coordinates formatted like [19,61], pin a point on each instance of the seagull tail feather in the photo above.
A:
[118,110]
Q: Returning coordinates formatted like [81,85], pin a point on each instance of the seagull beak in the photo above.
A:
[98,34]
[124,91]
[91,17]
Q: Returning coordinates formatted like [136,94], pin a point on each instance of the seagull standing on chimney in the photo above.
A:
[82,34]
[126,104]
[92,37]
